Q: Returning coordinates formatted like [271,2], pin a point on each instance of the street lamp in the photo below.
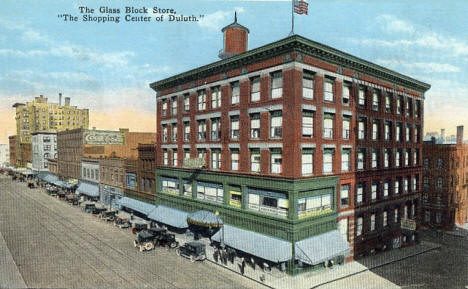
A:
[221,243]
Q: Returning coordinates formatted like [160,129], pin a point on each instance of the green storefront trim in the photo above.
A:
[288,228]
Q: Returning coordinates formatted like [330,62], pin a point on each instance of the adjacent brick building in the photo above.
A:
[445,178]
[111,182]
[297,139]
[140,174]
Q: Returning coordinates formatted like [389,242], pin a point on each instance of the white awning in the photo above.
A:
[88,189]
[169,216]
[139,206]
[320,248]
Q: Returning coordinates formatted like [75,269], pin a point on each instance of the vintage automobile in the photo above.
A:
[138,227]
[122,223]
[144,241]
[193,250]
[89,208]
[157,232]
[167,240]
[51,190]
[98,211]
[108,216]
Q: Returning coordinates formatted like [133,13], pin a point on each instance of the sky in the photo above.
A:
[107,67]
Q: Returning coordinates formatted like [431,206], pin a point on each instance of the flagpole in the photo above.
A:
[292,18]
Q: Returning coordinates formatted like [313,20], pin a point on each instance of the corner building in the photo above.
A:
[300,141]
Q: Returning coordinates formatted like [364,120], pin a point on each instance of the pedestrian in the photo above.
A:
[242,267]
[224,257]
[216,255]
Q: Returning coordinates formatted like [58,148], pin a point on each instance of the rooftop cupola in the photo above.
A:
[235,39]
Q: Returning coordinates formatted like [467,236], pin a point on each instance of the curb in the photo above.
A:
[377,266]
[227,268]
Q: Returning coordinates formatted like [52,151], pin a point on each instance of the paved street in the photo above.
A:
[56,245]
[446,267]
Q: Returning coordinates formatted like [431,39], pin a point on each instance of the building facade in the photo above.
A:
[53,166]
[13,148]
[4,154]
[445,178]
[111,182]
[41,115]
[44,147]
[140,174]
[296,139]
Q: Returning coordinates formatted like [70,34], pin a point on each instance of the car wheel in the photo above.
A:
[192,259]
[149,246]
[178,252]
[173,245]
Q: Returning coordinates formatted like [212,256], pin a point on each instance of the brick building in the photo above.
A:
[298,140]
[73,145]
[12,144]
[445,178]
[111,183]
[141,173]
[53,166]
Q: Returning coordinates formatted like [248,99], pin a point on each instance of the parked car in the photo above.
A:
[167,240]
[108,216]
[157,232]
[195,251]
[98,211]
[144,241]
[122,223]
[89,208]
[138,227]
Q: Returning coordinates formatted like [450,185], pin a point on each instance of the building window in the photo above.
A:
[395,215]
[234,159]
[307,161]
[307,123]
[235,196]
[234,127]
[415,184]
[202,130]
[346,93]
[375,130]
[399,100]
[215,97]
[186,102]
[374,192]
[362,97]
[201,100]
[328,161]
[360,193]
[406,185]
[415,157]
[328,90]
[215,159]
[276,84]
[388,103]
[360,159]
[235,92]
[174,132]
[345,159]
[164,134]
[407,155]
[408,107]
[425,182]
[440,183]
[427,216]
[416,134]
[359,226]
[164,108]
[396,187]
[440,163]
[387,156]
[255,126]
[385,188]
[417,109]
[186,154]
[275,161]
[398,132]
[328,125]
[375,158]
[372,222]
[186,131]
[307,85]
[313,206]
[397,158]
[255,160]
[438,218]
[408,133]
[210,192]
[272,203]
[384,219]
[255,89]
[388,130]
[165,157]
[201,153]
[276,124]
[346,127]
[215,129]
[375,101]
[174,105]
[174,157]
[344,195]
[362,128]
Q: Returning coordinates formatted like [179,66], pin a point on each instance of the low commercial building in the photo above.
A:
[111,181]
[44,147]
[89,181]
[445,182]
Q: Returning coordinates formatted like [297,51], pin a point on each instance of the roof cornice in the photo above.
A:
[299,44]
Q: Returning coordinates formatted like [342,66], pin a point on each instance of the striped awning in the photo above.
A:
[320,248]
[263,246]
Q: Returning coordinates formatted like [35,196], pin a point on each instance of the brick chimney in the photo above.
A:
[459,134]
[235,39]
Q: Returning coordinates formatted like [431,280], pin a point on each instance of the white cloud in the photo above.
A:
[394,25]
[215,21]
[426,67]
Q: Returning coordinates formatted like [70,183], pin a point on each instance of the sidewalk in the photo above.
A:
[10,276]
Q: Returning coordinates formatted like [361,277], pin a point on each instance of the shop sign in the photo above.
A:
[408,224]
[194,163]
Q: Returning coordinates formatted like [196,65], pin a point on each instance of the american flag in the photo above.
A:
[300,6]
